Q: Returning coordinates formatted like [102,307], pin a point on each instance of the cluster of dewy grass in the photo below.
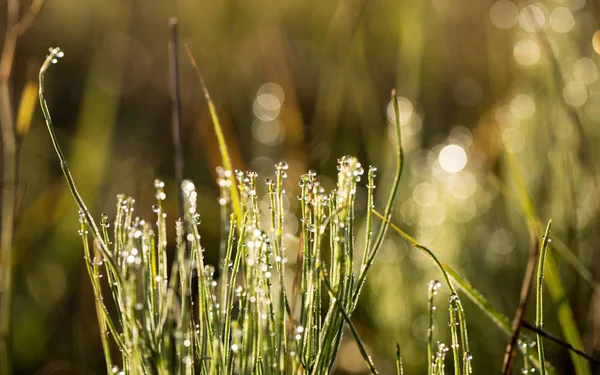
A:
[178,317]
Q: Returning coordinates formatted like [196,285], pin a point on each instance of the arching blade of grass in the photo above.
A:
[555,286]
[235,198]
[539,305]
[373,250]
[51,59]
[500,320]
[461,312]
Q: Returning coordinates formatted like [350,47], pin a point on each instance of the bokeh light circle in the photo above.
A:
[561,20]
[453,158]
[585,71]
[522,106]
[575,93]
[504,14]
[526,52]
[532,18]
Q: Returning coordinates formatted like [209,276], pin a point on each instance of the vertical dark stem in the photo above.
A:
[9,163]
[511,347]
[176,108]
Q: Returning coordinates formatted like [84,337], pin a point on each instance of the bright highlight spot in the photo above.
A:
[575,4]
[532,18]
[453,158]
[561,20]
[504,14]
[406,111]
[266,107]
[522,106]
[503,241]
[585,71]
[596,41]
[575,93]
[273,89]
[425,194]
[267,132]
[526,52]
[462,136]
[462,185]
[462,211]
[433,215]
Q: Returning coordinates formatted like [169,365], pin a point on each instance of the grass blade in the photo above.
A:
[359,343]
[500,320]
[434,285]
[235,197]
[539,308]
[399,368]
[388,209]
[555,286]
[56,53]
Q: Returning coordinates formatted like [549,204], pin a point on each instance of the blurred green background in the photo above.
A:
[307,82]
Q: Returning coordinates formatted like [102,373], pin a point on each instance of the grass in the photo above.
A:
[166,322]
[182,318]
[539,306]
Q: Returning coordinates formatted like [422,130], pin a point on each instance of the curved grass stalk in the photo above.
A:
[501,321]
[235,197]
[388,209]
[56,53]
[539,306]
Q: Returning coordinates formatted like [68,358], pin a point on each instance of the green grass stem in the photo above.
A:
[539,305]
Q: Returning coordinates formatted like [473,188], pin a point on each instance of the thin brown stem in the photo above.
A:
[511,347]
[29,17]
[176,109]
[560,342]
[9,149]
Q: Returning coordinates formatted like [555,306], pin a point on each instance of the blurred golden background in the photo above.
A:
[308,82]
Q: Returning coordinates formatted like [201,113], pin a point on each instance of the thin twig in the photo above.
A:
[560,342]
[9,149]
[511,347]
[176,110]
[29,17]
